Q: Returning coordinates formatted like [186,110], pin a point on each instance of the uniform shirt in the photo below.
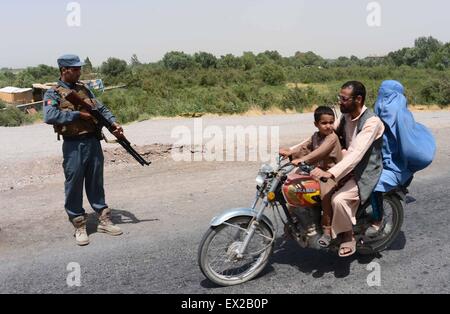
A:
[321,151]
[358,144]
[53,115]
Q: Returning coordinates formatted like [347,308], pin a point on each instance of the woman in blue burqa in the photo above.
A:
[408,146]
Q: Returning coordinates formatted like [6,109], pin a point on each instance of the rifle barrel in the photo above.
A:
[125,144]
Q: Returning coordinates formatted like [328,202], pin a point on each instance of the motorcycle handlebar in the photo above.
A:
[303,166]
[308,168]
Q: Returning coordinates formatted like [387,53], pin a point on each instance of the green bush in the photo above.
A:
[7,78]
[205,60]
[176,60]
[12,116]
[267,98]
[299,99]
[209,79]
[273,74]
[437,91]
[182,83]
[113,67]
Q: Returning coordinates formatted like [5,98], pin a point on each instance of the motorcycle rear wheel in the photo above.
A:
[392,230]
[217,258]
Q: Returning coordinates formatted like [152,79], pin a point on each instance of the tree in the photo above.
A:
[113,67]
[424,48]
[421,55]
[248,60]
[7,78]
[411,57]
[440,59]
[176,60]
[229,61]
[354,60]
[309,58]
[343,62]
[262,59]
[135,61]
[374,61]
[273,55]
[397,57]
[205,60]
[42,71]
[273,74]
[24,79]
[87,65]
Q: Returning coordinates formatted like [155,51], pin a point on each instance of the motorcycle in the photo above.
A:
[239,242]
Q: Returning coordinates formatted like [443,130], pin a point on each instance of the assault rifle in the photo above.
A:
[75,99]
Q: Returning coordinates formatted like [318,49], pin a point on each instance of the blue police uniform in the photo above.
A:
[82,154]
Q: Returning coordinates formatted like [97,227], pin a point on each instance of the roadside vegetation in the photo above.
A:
[186,85]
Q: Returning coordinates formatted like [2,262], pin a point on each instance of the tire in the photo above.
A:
[397,222]
[261,256]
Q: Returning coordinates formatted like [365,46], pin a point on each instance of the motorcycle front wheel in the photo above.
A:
[218,258]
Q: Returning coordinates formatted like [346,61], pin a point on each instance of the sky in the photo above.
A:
[38,32]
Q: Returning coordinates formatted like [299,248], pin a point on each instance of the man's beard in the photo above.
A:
[348,109]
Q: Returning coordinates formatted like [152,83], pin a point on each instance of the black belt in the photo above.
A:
[79,137]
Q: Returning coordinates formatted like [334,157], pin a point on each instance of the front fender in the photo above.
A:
[236,212]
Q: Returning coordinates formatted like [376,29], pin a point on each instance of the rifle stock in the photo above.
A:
[75,99]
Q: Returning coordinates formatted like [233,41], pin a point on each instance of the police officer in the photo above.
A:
[82,151]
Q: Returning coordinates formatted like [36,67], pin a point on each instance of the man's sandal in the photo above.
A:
[347,246]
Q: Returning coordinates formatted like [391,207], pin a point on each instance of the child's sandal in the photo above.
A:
[325,240]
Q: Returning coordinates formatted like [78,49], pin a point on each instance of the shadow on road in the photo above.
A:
[399,243]
[318,262]
[118,217]
[315,262]
[206,283]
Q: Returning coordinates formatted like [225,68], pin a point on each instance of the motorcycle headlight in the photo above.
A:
[260,180]
[266,169]
[263,173]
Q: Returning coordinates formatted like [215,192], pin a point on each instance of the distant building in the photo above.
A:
[40,89]
[30,99]
[16,96]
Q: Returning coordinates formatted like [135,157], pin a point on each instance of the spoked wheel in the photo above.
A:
[218,256]
[391,225]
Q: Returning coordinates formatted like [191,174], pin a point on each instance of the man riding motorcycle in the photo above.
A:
[355,177]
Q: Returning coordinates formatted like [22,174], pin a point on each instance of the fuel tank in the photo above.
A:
[301,190]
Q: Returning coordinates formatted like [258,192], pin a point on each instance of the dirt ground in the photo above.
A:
[43,170]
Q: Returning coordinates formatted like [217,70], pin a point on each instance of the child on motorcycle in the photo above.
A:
[322,150]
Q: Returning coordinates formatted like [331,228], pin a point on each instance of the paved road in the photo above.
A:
[165,209]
